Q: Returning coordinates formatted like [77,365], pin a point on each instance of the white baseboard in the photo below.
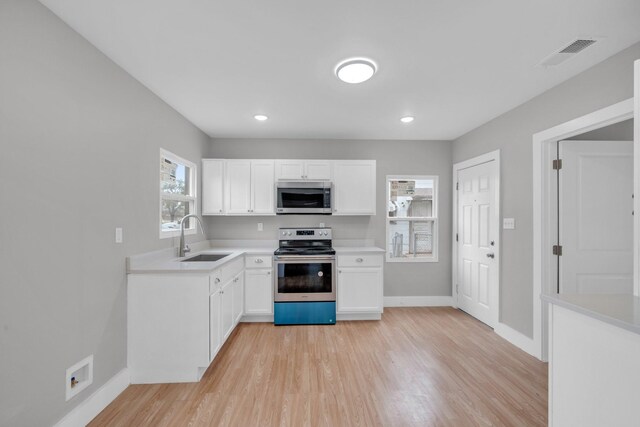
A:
[420,301]
[94,404]
[518,339]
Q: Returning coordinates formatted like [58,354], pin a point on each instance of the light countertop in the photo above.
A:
[165,261]
[619,310]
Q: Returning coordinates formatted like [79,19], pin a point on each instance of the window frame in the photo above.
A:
[433,217]
[192,198]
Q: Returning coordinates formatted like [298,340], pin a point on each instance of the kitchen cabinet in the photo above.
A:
[360,283]
[227,309]
[213,187]
[249,187]
[238,297]
[258,299]
[354,187]
[311,170]
[215,326]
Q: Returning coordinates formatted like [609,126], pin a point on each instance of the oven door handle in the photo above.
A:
[304,258]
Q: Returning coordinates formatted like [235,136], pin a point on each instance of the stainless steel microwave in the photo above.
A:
[303,197]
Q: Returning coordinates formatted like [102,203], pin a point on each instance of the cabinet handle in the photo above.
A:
[340,271]
[359,260]
[220,211]
[259,260]
[268,273]
[217,280]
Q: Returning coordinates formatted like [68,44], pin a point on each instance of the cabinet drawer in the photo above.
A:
[231,269]
[258,261]
[360,260]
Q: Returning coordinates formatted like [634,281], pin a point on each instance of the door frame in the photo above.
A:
[544,208]
[475,161]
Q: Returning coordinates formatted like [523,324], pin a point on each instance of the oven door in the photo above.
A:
[303,198]
[305,278]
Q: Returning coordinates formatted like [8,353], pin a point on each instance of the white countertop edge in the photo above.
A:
[165,262]
[622,311]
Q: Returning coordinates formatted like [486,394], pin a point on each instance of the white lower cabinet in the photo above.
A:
[215,326]
[238,297]
[227,309]
[360,283]
[258,297]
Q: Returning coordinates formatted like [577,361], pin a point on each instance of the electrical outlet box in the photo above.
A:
[118,235]
[79,377]
[260,227]
[508,223]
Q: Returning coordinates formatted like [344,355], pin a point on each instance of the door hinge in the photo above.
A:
[456,237]
[457,185]
[557,164]
[557,250]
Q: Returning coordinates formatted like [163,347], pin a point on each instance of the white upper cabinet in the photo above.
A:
[262,187]
[354,187]
[213,187]
[312,170]
[249,187]
[238,187]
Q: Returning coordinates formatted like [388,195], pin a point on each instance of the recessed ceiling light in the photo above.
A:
[407,119]
[356,70]
[260,117]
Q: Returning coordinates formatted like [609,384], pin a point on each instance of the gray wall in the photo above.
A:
[392,158]
[622,131]
[80,144]
[607,83]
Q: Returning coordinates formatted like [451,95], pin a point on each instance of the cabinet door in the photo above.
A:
[262,187]
[318,170]
[227,309]
[289,169]
[215,325]
[212,187]
[238,297]
[359,290]
[238,187]
[354,185]
[258,292]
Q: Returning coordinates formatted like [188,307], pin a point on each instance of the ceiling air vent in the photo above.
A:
[570,50]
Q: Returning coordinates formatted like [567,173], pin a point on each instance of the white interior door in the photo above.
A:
[478,234]
[595,216]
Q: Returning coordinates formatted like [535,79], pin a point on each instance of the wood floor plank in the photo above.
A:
[415,367]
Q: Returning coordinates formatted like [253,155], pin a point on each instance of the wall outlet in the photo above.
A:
[260,227]
[79,377]
[508,223]
[118,235]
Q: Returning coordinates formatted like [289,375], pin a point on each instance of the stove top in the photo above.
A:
[305,241]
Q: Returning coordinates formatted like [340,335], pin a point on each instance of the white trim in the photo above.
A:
[518,339]
[493,156]
[541,207]
[636,180]
[87,410]
[434,218]
[419,301]
[191,199]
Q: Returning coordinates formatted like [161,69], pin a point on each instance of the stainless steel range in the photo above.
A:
[305,288]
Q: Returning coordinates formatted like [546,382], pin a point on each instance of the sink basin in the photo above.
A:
[206,258]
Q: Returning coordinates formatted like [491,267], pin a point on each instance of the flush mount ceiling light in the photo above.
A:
[260,117]
[407,119]
[356,70]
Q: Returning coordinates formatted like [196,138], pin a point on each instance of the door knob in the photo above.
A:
[491,256]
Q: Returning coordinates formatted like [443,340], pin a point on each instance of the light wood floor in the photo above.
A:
[416,367]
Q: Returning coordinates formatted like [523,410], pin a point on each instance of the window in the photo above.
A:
[412,218]
[177,194]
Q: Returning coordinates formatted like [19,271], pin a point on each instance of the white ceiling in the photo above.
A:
[453,64]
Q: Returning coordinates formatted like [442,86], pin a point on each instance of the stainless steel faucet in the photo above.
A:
[184,248]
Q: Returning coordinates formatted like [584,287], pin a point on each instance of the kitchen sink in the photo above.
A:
[206,258]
